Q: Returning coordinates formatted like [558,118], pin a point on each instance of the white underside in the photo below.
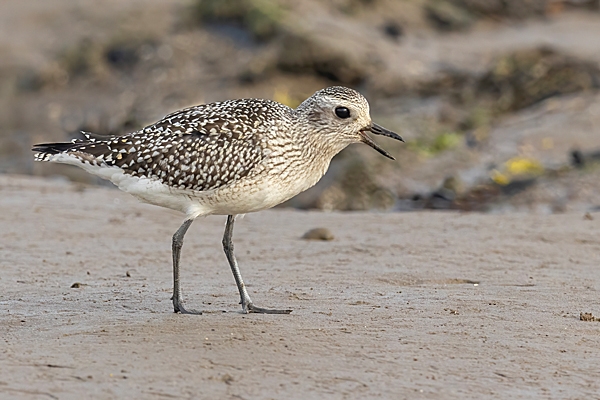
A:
[260,194]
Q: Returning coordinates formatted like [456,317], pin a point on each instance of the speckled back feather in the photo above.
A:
[198,148]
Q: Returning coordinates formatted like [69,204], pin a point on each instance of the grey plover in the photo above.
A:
[227,158]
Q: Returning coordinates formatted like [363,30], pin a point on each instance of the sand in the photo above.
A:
[409,305]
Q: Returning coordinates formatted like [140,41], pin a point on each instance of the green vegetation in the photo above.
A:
[262,18]
[79,59]
[439,143]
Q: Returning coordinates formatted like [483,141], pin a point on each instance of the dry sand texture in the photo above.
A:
[421,305]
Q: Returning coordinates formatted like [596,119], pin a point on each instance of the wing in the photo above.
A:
[199,148]
[192,160]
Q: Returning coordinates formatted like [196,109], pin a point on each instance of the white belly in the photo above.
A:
[258,191]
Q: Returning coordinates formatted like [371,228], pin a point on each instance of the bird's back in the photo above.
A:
[199,148]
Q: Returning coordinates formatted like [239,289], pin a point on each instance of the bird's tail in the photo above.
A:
[44,151]
[54,148]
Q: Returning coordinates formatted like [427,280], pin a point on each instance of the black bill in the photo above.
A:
[379,130]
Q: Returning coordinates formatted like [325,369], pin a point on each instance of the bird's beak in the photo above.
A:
[378,130]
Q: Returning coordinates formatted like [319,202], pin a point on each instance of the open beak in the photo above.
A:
[379,130]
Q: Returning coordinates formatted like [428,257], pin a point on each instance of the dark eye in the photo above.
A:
[342,112]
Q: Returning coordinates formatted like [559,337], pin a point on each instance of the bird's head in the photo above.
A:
[342,115]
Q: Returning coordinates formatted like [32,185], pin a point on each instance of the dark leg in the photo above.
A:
[246,301]
[177,244]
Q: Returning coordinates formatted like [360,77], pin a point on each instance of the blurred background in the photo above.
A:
[498,100]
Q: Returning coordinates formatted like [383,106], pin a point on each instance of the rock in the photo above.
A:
[519,9]
[309,55]
[318,234]
[355,188]
[393,30]
[260,18]
[446,16]
[588,317]
[526,77]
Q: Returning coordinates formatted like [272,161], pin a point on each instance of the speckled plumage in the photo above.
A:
[202,157]
[199,148]
[226,158]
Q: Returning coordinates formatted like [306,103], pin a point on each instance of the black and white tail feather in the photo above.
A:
[44,151]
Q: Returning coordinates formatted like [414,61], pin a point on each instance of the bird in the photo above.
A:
[226,158]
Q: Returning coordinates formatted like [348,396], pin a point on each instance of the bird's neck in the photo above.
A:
[316,140]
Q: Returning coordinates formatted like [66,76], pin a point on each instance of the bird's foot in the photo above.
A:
[180,309]
[251,308]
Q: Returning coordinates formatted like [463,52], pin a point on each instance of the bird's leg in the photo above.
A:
[177,244]
[246,301]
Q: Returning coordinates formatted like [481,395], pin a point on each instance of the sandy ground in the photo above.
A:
[420,305]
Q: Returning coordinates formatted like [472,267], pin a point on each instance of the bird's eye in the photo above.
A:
[342,112]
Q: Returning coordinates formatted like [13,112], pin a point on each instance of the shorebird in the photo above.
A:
[226,158]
